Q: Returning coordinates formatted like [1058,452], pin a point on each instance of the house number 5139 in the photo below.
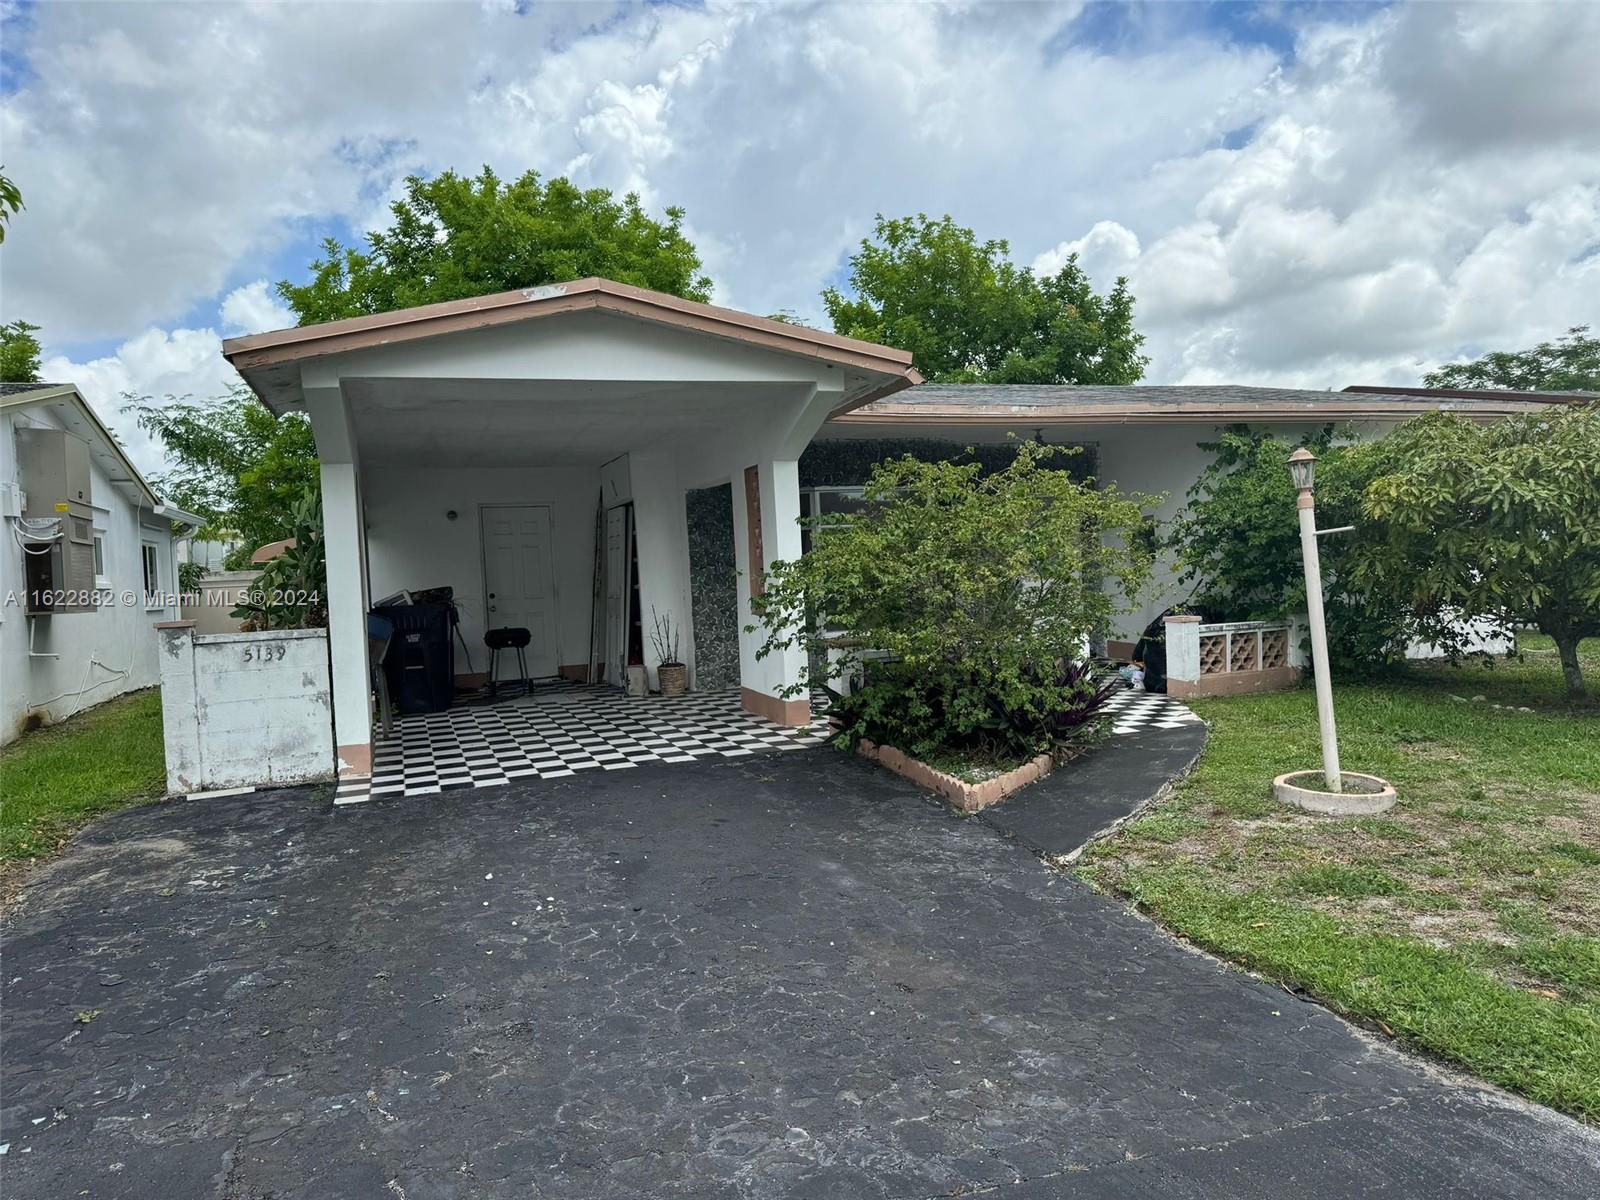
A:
[265,654]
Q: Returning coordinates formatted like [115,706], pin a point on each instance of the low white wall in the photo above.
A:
[245,709]
[218,595]
[412,542]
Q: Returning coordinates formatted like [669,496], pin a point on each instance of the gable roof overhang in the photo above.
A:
[269,362]
[80,419]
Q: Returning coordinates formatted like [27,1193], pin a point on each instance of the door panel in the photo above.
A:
[618,593]
[519,578]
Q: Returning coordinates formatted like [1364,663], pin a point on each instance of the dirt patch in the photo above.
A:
[151,863]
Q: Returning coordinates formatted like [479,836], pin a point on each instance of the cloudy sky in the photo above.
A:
[1310,195]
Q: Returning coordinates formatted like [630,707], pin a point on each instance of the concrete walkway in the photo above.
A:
[1090,796]
[769,977]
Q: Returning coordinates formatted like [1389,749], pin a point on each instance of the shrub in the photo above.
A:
[924,713]
[977,588]
[291,592]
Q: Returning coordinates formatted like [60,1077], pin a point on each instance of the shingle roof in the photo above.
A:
[969,402]
[10,388]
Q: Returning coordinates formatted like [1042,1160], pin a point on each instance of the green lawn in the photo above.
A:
[54,780]
[1466,921]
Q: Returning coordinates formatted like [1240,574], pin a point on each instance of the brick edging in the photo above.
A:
[968,797]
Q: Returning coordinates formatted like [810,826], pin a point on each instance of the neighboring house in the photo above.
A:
[208,554]
[578,458]
[88,565]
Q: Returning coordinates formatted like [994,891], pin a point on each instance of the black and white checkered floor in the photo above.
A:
[558,733]
[552,734]
[1137,711]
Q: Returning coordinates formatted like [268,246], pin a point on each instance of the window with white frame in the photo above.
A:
[101,582]
[827,502]
[152,574]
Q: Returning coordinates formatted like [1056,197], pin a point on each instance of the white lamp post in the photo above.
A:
[1302,469]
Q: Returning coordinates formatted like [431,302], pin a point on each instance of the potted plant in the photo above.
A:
[671,672]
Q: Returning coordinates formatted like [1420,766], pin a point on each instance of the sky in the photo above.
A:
[1301,195]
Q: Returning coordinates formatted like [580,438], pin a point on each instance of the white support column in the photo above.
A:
[344,543]
[775,508]
[1183,654]
[661,524]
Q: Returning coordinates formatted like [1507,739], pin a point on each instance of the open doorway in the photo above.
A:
[624,629]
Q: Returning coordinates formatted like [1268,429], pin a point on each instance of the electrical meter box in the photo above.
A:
[54,470]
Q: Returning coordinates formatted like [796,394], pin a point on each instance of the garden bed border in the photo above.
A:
[968,797]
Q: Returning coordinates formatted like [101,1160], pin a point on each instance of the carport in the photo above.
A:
[532,450]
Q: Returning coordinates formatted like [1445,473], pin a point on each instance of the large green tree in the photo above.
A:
[19,353]
[455,237]
[1571,363]
[970,315]
[1499,521]
[235,464]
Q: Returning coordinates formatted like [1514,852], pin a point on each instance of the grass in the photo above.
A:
[55,780]
[1465,921]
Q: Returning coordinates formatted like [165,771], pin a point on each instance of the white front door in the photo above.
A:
[519,580]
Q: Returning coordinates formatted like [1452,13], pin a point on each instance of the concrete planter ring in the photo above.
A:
[1363,795]
[674,678]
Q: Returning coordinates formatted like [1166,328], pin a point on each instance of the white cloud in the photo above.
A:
[254,308]
[1105,252]
[1414,185]
[157,363]
[1360,237]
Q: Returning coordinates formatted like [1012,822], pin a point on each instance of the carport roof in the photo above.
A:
[255,356]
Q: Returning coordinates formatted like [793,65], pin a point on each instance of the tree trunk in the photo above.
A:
[1567,647]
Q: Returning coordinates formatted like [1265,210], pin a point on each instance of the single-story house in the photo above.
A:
[89,565]
[583,458]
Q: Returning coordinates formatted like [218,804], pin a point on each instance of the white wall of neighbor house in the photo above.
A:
[1158,459]
[413,543]
[80,659]
[210,606]
[1169,458]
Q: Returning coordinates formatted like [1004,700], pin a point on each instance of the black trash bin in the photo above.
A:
[1152,647]
[420,664]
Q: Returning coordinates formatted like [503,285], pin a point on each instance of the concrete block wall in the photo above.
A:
[245,709]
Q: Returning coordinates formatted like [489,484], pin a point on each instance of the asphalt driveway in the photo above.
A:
[784,976]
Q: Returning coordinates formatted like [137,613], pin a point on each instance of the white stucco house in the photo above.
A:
[1150,438]
[88,565]
[577,458]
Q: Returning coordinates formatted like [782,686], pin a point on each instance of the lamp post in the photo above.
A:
[1302,469]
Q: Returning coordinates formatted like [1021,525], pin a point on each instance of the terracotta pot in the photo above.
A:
[674,678]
